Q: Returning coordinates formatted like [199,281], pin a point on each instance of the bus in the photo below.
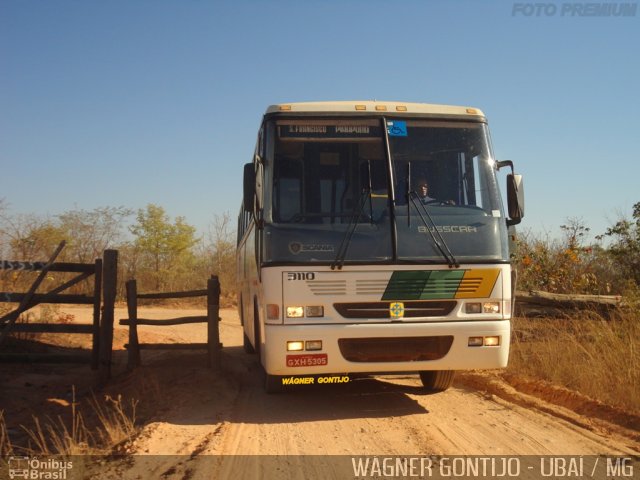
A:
[372,239]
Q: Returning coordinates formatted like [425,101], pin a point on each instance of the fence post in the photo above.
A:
[97,301]
[213,315]
[133,358]
[109,285]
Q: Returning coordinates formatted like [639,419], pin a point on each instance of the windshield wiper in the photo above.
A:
[351,228]
[431,227]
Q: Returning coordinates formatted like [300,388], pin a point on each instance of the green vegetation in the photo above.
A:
[163,254]
[163,246]
[625,249]
[609,266]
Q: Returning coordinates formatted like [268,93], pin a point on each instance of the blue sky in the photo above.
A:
[130,102]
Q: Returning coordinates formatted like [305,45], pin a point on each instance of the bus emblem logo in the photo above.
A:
[396,309]
[297,247]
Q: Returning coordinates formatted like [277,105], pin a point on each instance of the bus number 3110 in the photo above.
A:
[301,276]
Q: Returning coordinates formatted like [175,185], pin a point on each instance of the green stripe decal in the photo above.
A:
[423,285]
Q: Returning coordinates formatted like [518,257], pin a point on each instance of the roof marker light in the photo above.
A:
[361,107]
[284,108]
[381,108]
[401,108]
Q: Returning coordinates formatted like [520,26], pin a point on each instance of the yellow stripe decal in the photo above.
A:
[478,283]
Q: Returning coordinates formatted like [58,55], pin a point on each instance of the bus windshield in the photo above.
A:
[445,187]
[362,182]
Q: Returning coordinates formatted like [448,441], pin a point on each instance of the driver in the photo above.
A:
[423,192]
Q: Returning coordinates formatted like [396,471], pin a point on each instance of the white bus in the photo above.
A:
[372,239]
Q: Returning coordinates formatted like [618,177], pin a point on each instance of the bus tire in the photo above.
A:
[435,381]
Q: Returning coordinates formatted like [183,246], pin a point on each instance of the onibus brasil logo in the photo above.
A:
[38,469]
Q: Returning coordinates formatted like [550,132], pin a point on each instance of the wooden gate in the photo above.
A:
[212,318]
[104,272]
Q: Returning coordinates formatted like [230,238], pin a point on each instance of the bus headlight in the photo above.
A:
[492,341]
[485,307]
[313,345]
[491,307]
[472,307]
[295,312]
[315,311]
[489,341]
[295,346]
[310,312]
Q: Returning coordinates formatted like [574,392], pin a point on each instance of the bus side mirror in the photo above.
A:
[249,187]
[515,198]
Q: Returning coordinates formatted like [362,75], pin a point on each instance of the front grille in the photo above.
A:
[395,349]
[328,287]
[371,287]
[413,309]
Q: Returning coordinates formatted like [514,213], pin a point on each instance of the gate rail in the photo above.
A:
[104,272]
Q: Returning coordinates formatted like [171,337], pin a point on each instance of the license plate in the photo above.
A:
[310,360]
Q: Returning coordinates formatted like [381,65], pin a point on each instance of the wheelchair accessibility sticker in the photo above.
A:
[397,128]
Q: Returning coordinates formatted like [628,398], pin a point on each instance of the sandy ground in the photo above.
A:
[193,416]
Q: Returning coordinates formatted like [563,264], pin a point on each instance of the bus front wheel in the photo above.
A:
[435,381]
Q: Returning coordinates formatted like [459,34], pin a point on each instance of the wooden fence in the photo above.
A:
[104,272]
[212,318]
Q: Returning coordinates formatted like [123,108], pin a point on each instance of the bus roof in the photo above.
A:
[374,106]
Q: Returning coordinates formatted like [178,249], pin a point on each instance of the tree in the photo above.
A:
[27,238]
[563,265]
[165,248]
[625,248]
[575,232]
[33,238]
[218,256]
[224,248]
[89,233]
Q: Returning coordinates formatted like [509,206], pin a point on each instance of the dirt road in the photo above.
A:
[194,413]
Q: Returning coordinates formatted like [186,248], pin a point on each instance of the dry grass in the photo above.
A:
[583,352]
[71,436]
[116,424]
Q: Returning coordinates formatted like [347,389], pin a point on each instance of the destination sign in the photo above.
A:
[329,131]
